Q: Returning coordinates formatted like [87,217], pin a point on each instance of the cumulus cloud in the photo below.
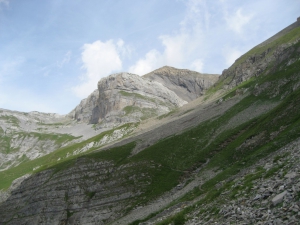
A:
[231,54]
[197,65]
[99,59]
[198,41]
[177,52]
[153,59]
[180,49]
[238,20]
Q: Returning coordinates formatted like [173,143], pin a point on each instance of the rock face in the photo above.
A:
[92,192]
[126,97]
[187,84]
[120,93]
[272,198]
[83,112]
[264,58]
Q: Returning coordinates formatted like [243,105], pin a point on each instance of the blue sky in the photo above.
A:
[53,52]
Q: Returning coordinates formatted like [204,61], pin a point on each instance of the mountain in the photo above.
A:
[229,156]
[126,98]
[120,99]
[187,84]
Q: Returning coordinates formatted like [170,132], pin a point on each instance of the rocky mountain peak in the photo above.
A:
[187,84]
[126,97]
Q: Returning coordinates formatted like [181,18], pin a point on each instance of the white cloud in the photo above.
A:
[99,59]
[148,63]
[123,49]
[199,40]
[180,48]
[231,54]
[238,20]
[197,15]
[177,51]
[197,65]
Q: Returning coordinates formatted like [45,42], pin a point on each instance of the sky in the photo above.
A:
[54,52]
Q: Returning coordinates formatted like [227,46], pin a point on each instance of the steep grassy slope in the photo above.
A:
[261,59]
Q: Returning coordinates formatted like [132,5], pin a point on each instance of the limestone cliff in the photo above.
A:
[122,98]
[83,111]
[187,84]
[125,97]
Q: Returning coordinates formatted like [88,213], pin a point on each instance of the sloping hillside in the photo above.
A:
[234,159]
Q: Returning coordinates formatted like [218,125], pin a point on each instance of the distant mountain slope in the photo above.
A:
[26,136]
[187,84]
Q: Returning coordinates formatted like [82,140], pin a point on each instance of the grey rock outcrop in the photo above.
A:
[187,84]
[264,58]
[124,97]
[90,192]
[83,112]
[120,94]
[273,198]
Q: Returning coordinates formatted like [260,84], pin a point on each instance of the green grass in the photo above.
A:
[146,98]
[273,170]
[146,112]
[50,160]
[288,38]
[5,139]
[167,114]
[90,194]
[185,151]
[178,219]
[136,95]
[10,119]
[69,213]
[130,109]
[50,124]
